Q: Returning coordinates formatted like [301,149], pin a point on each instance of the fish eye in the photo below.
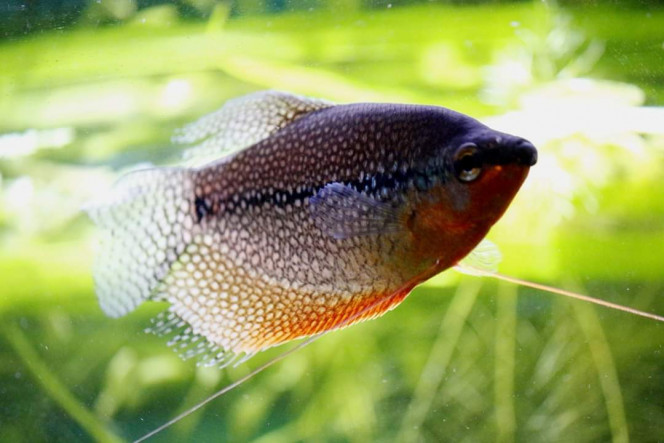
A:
[467,162]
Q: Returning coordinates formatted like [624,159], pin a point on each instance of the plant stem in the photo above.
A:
[54,387]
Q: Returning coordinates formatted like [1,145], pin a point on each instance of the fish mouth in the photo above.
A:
[525,153]
[521,152]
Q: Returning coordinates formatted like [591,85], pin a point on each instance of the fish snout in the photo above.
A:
[525,153]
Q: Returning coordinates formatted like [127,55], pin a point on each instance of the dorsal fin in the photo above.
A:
[242,122]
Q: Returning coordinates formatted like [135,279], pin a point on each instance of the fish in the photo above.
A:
[295,216]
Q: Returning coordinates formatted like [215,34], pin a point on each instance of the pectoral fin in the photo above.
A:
[341,212]
[482,260]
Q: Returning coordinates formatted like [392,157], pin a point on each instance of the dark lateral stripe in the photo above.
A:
[382,185]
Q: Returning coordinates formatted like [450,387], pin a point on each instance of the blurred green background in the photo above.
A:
[90,88]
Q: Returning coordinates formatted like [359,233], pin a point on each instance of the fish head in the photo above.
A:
[484,169]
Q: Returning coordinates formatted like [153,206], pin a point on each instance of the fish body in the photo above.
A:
[327,215]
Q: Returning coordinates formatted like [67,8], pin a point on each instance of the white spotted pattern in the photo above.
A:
[241,122]
[235,246]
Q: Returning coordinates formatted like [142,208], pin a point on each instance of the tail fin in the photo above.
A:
[147,219]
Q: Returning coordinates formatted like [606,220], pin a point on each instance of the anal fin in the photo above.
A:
[190,345]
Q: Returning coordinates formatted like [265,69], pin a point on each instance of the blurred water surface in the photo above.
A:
[91,88]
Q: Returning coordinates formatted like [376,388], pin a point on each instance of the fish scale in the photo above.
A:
[257,259]
[295,216]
